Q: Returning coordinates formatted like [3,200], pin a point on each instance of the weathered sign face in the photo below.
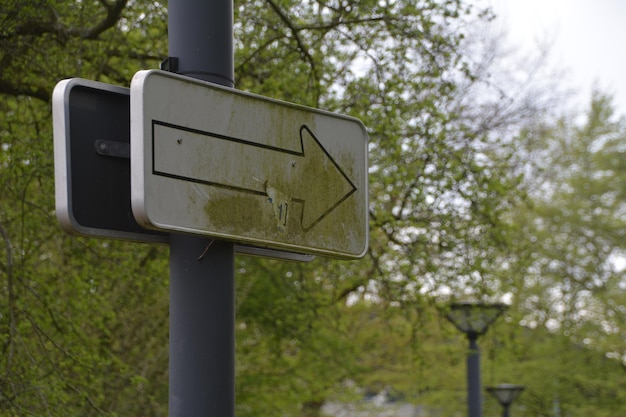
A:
[214,161]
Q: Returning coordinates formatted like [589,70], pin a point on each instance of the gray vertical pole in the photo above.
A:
[474,401]
[200,35]
[202,291]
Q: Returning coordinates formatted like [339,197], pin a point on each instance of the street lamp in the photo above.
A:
[474,319]
[505,394]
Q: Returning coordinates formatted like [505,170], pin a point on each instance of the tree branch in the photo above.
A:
[37,28]
[295,32]
[11,298]
[24,90]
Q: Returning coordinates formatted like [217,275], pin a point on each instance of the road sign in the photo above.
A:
[210,160]
[91,122]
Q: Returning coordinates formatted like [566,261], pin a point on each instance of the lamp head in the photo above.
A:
[474,318]
[506,393]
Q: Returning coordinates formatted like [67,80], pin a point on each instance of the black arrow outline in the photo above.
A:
[352,186]
[300,153]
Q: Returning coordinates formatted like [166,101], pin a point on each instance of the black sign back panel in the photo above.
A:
[100,196]
[92,186]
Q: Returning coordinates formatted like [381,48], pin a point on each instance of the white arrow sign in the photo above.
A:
[219,162]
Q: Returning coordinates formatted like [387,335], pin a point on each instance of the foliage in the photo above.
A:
[560,377]
[395,65]
[575,226]
[566,272]
[83,322]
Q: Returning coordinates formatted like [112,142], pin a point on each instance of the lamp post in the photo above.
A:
[474,319]
[505,394]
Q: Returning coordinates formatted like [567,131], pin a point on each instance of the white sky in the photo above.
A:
[589,40]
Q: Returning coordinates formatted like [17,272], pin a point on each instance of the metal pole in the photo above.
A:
[505,412]
[202,363]
[202,290]
[200,35]
[474,402]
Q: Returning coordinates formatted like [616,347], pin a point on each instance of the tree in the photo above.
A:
[566,279]
[58,353]
[577,222]
[84,321]
[436,189]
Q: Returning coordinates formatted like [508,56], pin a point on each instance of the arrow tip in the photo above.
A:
[327,185]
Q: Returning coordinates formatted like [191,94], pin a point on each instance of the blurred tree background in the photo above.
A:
[482,187]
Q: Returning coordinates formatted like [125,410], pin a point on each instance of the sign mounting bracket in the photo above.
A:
[112,148]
